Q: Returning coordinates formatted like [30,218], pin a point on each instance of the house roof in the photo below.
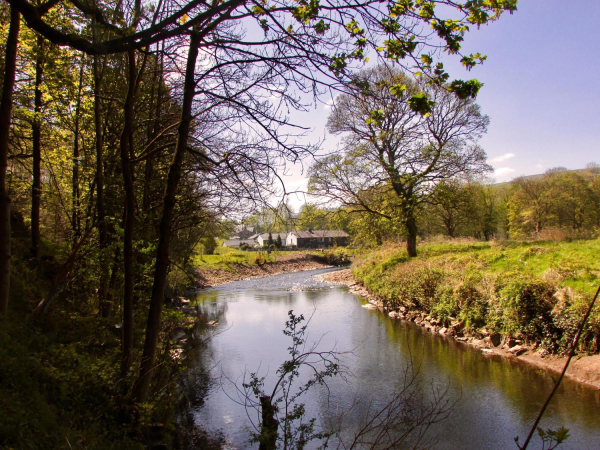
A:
[265,236]
[320,233]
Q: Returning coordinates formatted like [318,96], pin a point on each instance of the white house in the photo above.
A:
[264,238]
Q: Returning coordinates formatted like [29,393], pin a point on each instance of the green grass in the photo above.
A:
[227,258]
[537,289]
[576,263]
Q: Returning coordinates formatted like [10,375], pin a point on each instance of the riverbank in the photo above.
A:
[583,368]
[283,263]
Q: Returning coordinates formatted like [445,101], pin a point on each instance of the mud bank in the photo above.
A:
[584,369]
[287,263]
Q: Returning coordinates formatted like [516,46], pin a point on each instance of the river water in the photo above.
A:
[492,399]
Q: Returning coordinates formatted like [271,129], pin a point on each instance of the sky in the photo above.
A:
[541,90]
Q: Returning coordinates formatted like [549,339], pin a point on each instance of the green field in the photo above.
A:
[538,290]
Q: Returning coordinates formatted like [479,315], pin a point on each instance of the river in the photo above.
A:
[492,399]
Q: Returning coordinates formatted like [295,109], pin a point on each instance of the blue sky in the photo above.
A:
[541,89]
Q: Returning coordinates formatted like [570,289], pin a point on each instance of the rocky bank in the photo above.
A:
[583,368]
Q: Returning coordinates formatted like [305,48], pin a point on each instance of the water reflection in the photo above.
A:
[498,399]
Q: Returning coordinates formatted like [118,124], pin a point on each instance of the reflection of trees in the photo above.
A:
[523,386]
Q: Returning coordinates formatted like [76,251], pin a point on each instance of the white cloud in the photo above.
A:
[329,103]
[503,172]
[503,158]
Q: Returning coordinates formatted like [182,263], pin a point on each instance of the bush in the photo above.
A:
[209,245]
[527,305]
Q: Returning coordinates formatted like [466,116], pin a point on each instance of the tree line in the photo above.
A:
[557,204]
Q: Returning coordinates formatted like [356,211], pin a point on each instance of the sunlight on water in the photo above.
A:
[496,399]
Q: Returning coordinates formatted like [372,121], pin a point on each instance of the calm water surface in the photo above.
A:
[496,399]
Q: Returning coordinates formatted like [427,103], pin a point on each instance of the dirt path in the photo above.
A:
[286,263]
[584,369]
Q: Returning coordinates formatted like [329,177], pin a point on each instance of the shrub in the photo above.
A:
[209,245]
[527,305]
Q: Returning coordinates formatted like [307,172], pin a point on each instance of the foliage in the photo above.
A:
[558,199]
[533,290]
[209,244]
[391,148]
[58,387]
[337,256]
[550,438]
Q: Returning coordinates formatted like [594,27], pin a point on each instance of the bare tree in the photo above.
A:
[392,147]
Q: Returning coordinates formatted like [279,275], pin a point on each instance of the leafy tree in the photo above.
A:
[452,205]
[488,210]
[393,147]
[209,245]
[312,217]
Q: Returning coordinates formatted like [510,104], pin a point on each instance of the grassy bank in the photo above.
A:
[535,291]
[230,259]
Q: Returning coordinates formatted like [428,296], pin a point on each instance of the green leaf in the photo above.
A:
[398,90]
[421,104]
[465,89]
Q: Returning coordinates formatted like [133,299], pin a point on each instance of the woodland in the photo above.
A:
[130,129]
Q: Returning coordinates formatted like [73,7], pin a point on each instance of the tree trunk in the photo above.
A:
[269,425]
[60,280]
[165,229]
[103,306]
[36,132]
[5,113]
[149,169]
[411,234]
[76,197]
[126,169]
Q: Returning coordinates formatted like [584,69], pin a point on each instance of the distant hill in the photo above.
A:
[594,171]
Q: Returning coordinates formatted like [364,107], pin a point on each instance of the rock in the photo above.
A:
[188,310]
[517,350]
[477,343]
[184,301]
[486,351]
[511,342]
[369,306]
[443,330]
[393,314]
[495,339]
[213,323]
[179,335]
[456,325]
[403,309]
